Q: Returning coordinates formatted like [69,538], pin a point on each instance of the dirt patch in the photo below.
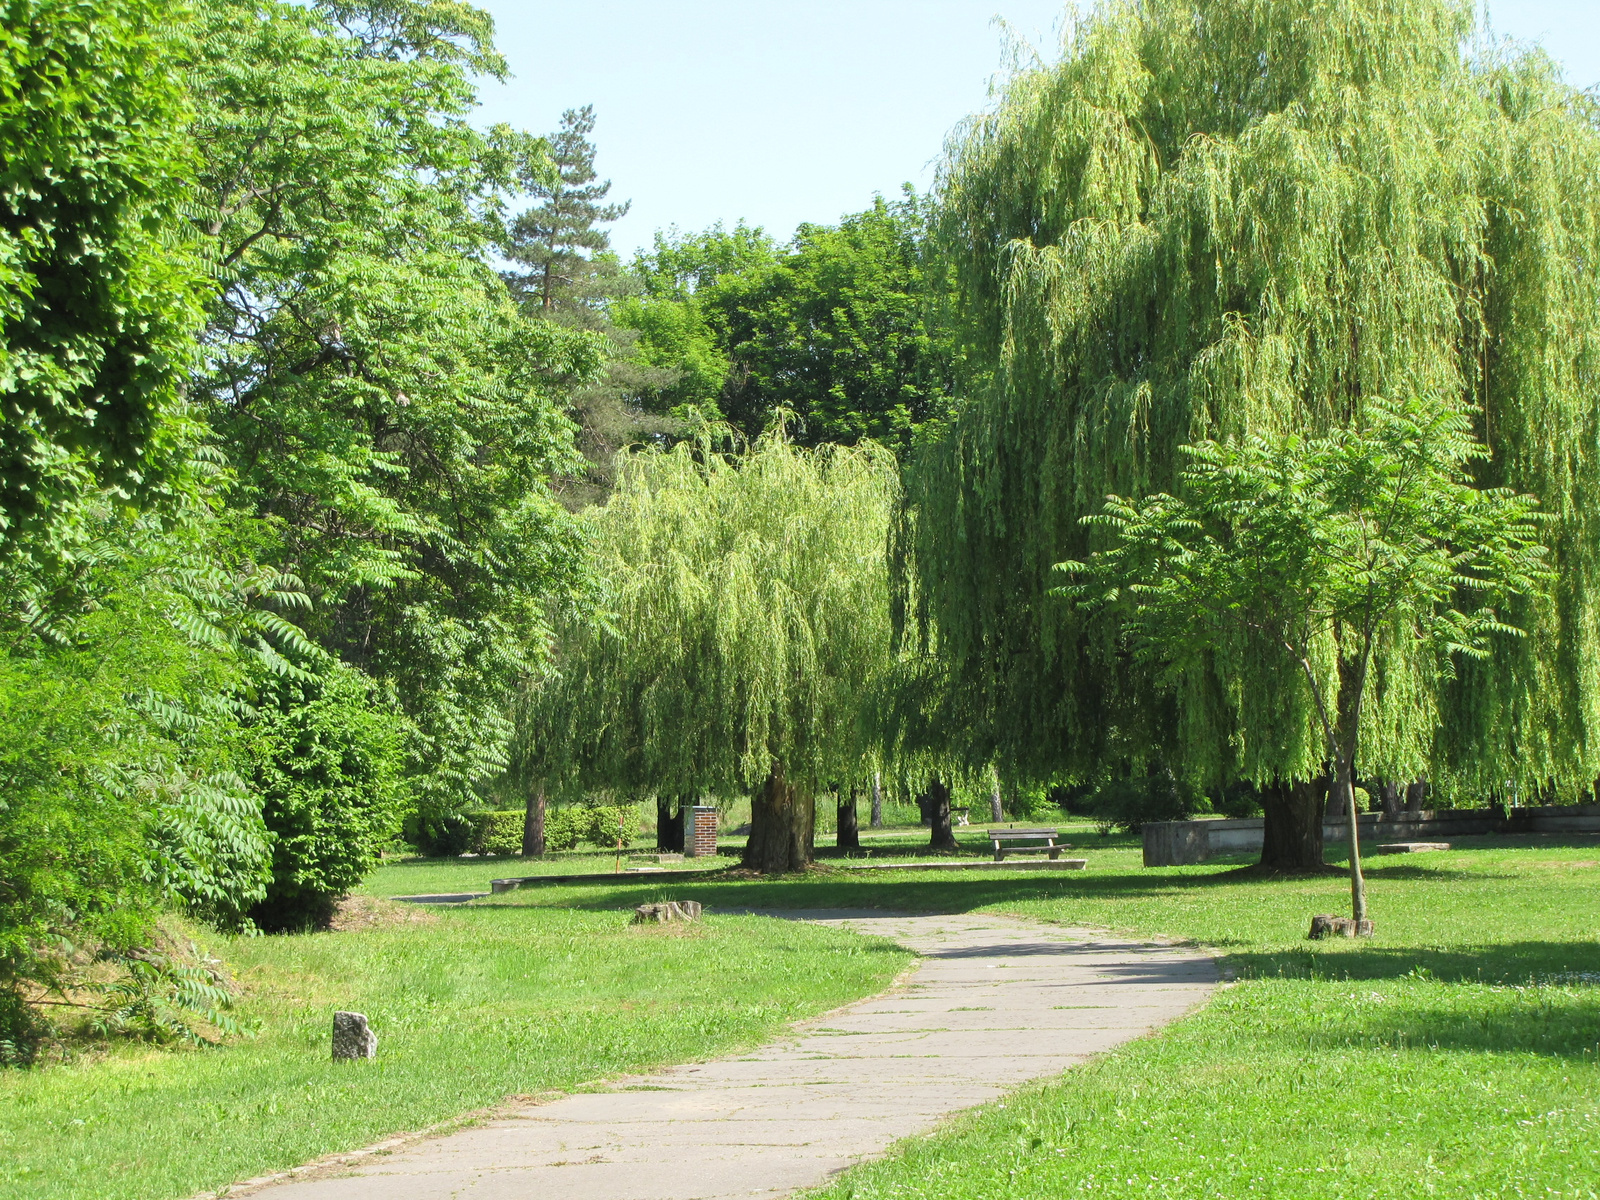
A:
[355,913]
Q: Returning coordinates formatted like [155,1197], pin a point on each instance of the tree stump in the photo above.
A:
[667,912]
[1327,925]
[352,1038]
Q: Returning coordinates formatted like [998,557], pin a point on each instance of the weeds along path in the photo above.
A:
[994,1002]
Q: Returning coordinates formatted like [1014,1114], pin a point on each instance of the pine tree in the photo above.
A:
[560,243]
[571,278]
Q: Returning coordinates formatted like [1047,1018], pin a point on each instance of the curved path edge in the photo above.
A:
[994,1002]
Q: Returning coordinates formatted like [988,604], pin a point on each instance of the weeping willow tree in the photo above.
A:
[1218,218]
[746,618]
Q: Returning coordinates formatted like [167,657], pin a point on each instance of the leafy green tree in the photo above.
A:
[1309,564]
[120,793]
[391,417]
[1217,218]
[746,617]
[839,328]
[99,289]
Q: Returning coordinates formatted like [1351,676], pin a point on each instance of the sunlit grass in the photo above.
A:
[470,1008]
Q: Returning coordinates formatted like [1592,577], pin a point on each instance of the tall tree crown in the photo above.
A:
[558,240]
[1219,217]
[746,604]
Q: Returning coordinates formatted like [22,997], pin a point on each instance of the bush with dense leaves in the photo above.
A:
[497,831]
[1127,804]
[598,825]
[325,758]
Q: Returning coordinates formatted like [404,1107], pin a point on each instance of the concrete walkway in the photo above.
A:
[994,1003]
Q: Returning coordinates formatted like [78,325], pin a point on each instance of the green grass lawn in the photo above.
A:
[1455,1054]
[470,1007]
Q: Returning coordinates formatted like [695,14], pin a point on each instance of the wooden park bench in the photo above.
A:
[1002,837]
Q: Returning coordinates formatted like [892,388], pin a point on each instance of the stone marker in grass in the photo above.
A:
[352,1038]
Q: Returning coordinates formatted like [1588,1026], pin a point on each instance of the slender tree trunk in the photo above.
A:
[877,800]
[1345,797]
[533,824]
[1351,680]
[995,813]
[783,825]
[849,835]
[669,827]
[942,837]
[1292,838]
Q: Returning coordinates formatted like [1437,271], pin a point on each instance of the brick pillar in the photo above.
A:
[699,830]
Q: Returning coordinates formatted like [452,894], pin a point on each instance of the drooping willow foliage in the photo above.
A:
[745,619]
[1214,217]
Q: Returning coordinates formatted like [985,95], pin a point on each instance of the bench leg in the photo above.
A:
[999,854]
[1055,853]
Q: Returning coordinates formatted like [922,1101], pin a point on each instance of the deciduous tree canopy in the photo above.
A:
[1219,218]
[746,617]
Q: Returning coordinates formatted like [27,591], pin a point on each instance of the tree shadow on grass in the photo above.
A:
[1495,963]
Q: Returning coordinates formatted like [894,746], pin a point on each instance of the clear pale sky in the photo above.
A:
[782,111]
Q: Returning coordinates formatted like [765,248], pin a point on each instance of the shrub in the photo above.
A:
[1238,799]
[441,835]
[1127,804]
[497,831]
[597,824]
[325,759]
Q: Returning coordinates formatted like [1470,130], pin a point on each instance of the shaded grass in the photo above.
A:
[471,1008]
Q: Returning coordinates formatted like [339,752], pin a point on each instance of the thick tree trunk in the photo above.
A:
[1292,838]
[849,835]
[783,823]
[533,824]
[996,814]
[1390,798]
[1416,795]
[941,838]
[669,826]
[877,800]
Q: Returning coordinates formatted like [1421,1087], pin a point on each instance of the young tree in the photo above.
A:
[746,616]
[1216,218]
[1319,561]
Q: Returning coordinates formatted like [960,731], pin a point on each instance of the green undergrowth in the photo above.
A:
[470,1007]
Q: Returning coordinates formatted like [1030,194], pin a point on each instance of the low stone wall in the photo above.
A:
[1183,843]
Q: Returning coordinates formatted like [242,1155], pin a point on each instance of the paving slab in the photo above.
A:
[992,1004]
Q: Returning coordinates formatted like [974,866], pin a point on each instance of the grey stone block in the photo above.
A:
[352,1038]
